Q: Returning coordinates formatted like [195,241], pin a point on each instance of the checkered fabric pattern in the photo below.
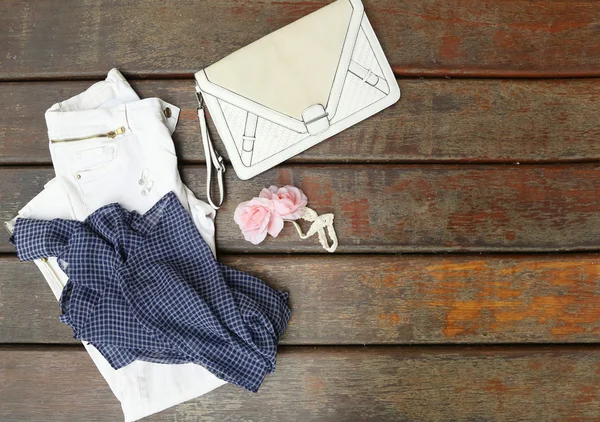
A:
[148,287]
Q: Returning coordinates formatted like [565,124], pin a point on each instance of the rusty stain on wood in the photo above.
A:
[436,121]
[569,310]
[381,299]
[425,38]
[411,208]
[384,207]
[333,384]
[358,214]
[318,190]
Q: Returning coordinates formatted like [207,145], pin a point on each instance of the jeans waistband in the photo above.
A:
[106,106]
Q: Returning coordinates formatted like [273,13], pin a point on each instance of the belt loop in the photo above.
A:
[248,138]
[126,116]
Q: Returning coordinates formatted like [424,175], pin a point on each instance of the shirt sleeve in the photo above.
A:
[34,239]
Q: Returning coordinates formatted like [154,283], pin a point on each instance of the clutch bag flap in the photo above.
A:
[297,86]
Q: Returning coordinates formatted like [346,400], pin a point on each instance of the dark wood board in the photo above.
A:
[435,121]
[379,299]
[501,174]
[331,384]
[74,39]
[402,208]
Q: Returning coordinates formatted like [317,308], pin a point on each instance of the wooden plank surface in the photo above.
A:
[403,208]
[332,384]
[44,39]
[379,299]
[435,121]
[419,194]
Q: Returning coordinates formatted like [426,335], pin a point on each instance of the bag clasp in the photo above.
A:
[316,119]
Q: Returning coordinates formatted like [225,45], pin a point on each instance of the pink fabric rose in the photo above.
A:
[256,218]
[288,201]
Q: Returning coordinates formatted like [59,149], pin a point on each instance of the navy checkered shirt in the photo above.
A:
[148,287]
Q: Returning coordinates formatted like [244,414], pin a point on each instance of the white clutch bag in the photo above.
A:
[296,87]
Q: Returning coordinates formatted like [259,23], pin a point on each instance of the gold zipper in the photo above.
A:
[112,134]
[45,261]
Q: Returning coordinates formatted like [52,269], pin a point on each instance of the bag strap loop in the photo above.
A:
[212,157]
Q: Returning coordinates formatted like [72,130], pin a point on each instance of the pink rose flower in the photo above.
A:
[256,218]
[288,201]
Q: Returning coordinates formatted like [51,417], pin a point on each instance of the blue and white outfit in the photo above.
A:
[108,146]
[147,287]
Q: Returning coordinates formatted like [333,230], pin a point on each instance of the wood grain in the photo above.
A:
[332,384]
[487,121]
[70,39]
[403,208]
[446,178]
[379,299]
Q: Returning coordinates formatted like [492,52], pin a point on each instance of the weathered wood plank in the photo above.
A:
[403,208]
[425,38]
[436,121]
[380,299]
[332,384]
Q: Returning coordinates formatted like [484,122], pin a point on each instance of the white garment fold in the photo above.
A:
[135,168]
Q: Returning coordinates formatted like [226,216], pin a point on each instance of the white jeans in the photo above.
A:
[135,168]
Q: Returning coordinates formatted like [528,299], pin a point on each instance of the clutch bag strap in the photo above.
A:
[213,159]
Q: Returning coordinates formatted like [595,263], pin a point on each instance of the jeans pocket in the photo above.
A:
[94,158]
